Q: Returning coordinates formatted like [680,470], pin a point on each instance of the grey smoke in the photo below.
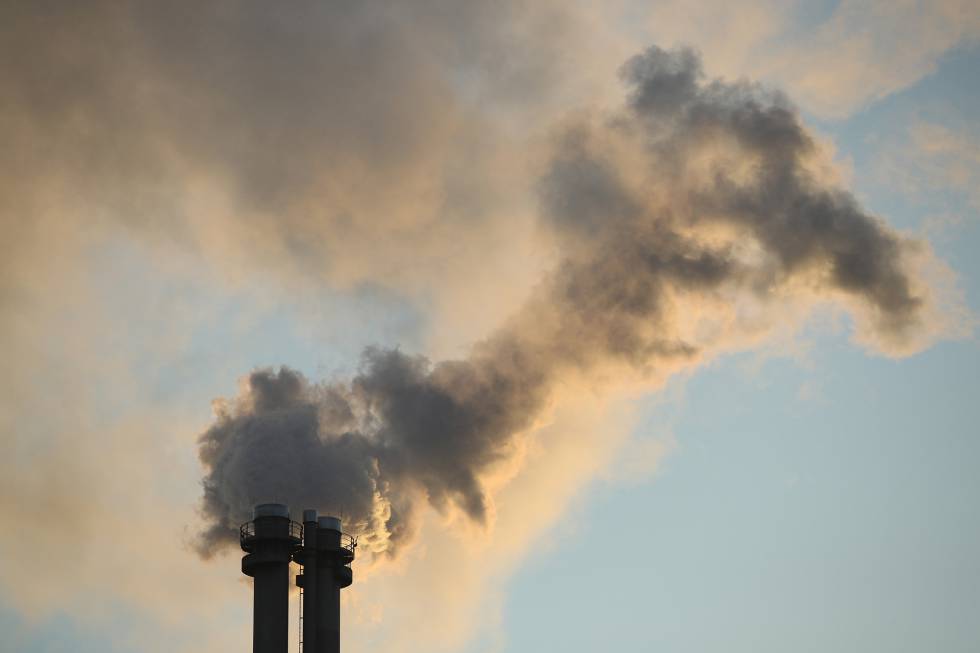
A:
[636,203]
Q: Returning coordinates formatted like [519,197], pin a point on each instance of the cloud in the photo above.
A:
[234,151]
[930,159]
[456,156]
[254,140]
[832,65]
[868,50]
[697,196]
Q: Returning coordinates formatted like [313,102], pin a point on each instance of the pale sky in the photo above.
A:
[188,195]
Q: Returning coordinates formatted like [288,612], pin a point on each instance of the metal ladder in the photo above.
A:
[301,615]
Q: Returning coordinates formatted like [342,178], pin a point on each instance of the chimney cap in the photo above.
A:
[270,510]
[329,523]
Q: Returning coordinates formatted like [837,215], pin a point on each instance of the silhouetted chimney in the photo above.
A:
[326,556]
[269,541]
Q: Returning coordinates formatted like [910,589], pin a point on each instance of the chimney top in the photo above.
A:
[270,510]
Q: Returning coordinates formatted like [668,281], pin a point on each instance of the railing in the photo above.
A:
[295,531]
[348,542]
[247,531]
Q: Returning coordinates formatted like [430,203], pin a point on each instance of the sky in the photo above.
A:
[646,325]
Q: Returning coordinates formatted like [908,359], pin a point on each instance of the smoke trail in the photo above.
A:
[684,223]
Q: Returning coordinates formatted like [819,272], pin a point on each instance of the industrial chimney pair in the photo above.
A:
[271,540]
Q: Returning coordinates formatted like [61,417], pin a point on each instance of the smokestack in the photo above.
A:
[308,582]
[269,541]
[326,556]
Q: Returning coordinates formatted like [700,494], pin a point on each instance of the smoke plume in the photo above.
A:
[685,224]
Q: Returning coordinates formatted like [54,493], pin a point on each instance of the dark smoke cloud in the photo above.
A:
[696,194]
[371,449]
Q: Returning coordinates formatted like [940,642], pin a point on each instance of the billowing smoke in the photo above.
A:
[685,223]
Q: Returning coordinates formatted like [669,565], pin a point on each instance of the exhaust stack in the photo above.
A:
[326,556]
[271,540]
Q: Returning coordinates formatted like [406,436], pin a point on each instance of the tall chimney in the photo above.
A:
[269,541]
[308,581]
[326,556]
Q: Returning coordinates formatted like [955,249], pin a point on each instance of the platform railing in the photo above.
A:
[348,542]
[247,531]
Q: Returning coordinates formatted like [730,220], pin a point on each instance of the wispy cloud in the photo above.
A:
[832,65]
[934,160]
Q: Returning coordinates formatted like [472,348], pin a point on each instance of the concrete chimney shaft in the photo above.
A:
[325,557]
[269,541]
[309,582]
[328,586]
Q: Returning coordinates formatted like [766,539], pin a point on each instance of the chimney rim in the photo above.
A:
[270,510]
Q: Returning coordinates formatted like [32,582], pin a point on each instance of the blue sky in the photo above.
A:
[804,493]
